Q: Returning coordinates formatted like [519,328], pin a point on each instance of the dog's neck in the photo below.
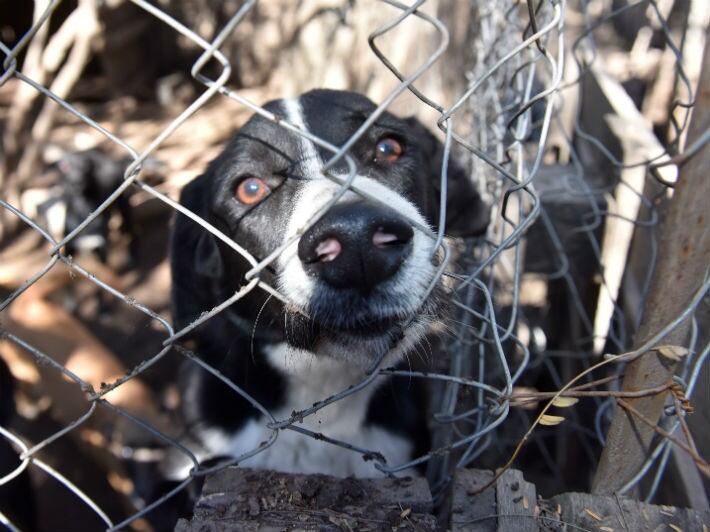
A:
[311,378]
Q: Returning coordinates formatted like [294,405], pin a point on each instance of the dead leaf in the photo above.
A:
[550,420]
[672,352]
[565,402]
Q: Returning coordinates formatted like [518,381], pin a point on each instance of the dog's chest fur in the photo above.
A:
[310,379]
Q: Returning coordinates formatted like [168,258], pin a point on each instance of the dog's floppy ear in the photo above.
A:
[466,213]
[194,259]
[208,261]
[200,245]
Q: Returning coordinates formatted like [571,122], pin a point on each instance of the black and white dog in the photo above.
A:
[354,285]
[86,179]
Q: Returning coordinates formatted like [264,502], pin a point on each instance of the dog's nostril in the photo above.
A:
[356,246]
[383,238]
[328,250]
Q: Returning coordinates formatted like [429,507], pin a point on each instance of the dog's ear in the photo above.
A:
[194,256]
[197,241]
[208,261]
[466,213]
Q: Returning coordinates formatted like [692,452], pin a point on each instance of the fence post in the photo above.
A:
[684,258]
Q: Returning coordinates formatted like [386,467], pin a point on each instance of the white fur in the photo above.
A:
[412,280]
[89,242]
[310,161]
[56,219]
[311,379]
[408,285]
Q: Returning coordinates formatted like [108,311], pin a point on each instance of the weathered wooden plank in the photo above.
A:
[502,508]
[470,510]
[516,499]
[558,187]
[684,253]
[236,499]
[619,514]
[246,500]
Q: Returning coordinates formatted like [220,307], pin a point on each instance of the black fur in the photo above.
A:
[206,271]
[17,497]
[87,178]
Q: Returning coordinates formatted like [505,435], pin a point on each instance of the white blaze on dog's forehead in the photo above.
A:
[315,194]
[408,287]
[310,162]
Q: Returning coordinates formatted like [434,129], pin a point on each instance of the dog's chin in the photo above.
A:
[381,326]
[360,343]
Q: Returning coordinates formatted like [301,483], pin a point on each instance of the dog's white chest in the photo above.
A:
[294,452]
[311,380]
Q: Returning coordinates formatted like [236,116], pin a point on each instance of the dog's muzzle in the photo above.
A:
[356,245]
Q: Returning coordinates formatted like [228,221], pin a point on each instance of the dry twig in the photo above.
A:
[703,466]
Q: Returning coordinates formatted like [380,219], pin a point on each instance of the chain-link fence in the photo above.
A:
[576,163]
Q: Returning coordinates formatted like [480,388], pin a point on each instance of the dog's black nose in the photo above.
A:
[356,245]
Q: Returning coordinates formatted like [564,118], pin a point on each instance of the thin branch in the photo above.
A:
[703,466]
[25,95]
[536,396]
[683,425]
[85,17]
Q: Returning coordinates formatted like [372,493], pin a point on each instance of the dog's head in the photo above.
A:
[356,281]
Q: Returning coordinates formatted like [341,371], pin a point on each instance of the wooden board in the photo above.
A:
[619,514]
[236,499]
[471,510]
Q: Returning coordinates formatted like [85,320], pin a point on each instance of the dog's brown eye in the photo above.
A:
[388,150]
[251,191]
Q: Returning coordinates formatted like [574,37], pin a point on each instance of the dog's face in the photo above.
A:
[355,283]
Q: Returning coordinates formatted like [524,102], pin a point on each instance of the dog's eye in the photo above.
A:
[251,191]
[388,150]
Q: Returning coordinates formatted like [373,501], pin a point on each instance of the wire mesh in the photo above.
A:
[529,64]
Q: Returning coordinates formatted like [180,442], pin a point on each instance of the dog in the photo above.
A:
[86,179]
[354,286]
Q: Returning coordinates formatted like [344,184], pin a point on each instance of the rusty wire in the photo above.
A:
[514,93]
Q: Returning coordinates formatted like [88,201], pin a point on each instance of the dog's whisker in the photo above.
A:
[428,353]
[286,328]
[253,330]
